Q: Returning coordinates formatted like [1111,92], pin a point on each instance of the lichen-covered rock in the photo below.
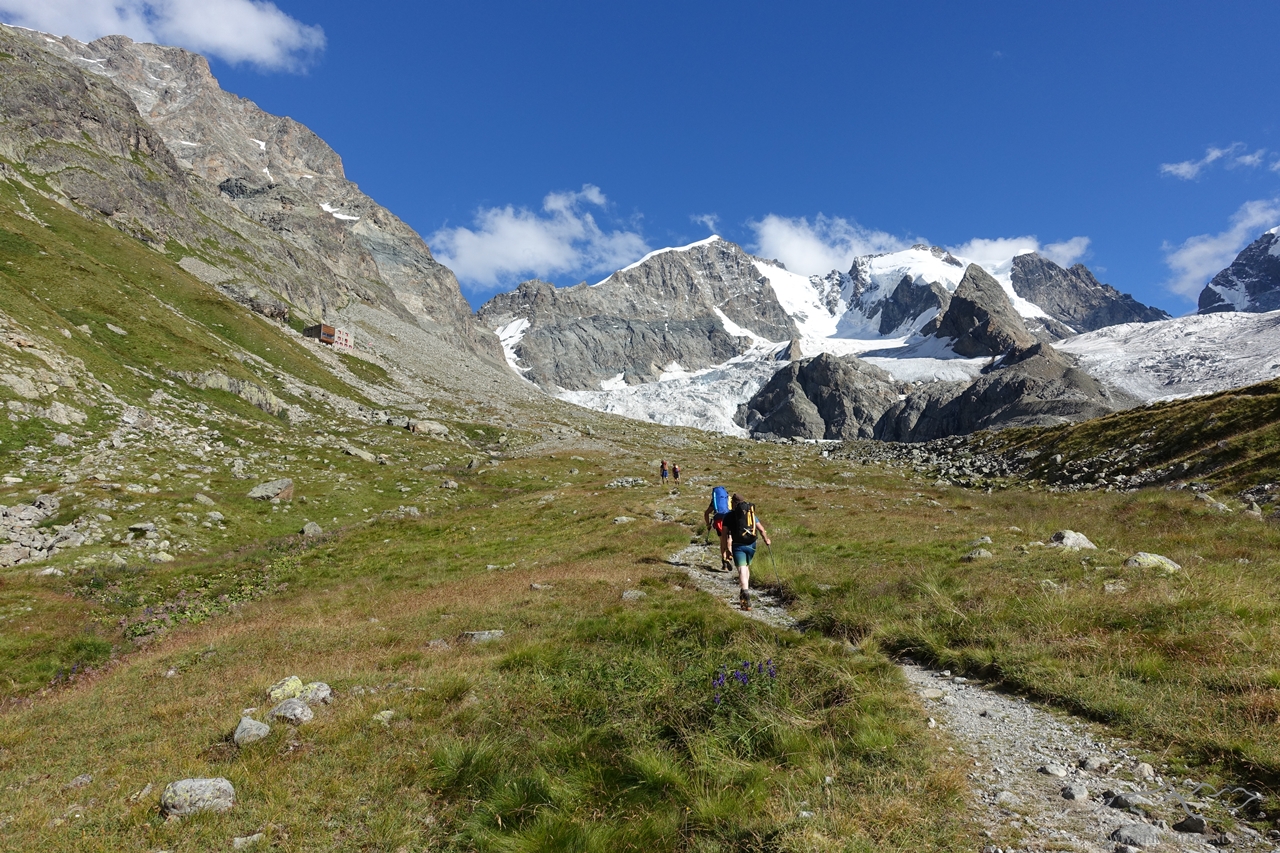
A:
[295,712]
[192,796]
[1144,560]
[316,693]
[285,688]
[249,731]
[311,529]
[977,554]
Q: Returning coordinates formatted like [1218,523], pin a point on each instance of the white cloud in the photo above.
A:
[509,242]
[1200,258]
[1067,252]
[256,32]
[828,243]
[709,220]
[1189,170]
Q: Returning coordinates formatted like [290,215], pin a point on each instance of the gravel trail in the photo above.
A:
[1041,780]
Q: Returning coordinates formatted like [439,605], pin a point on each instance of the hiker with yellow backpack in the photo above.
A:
[744,528]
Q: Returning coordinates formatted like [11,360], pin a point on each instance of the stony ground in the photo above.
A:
[1041,780]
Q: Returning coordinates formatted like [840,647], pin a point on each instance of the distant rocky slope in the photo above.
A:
[142,137]
[1251,283]
[692,307]
[1074,297]
[980,321]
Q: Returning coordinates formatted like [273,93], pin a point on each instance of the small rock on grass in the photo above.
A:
[1075,792]
[384,717]
[285,688]
[312,529]
[1008,799]
[482,636]
[243,841]
[295,712]
[1052,770]
[1192,823]
[278,489]
[977,554]
[1144,560]
[250,731]
[1095,764]
[623,519]
[192,796]
[80,781]
[316,693]
[1071,541]
[1137,835]
[632,594]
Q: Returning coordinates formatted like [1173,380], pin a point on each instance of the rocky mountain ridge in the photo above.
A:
[1252,281]
[142,137]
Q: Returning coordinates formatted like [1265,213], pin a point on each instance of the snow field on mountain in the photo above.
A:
[509,336]
[1184,356]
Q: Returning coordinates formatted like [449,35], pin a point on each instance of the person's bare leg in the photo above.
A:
[744,577]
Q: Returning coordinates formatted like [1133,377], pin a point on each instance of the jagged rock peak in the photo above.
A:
[980,321]
[1074,297]
[1251,283]
[822,397]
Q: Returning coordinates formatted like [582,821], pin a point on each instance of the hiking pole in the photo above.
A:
[774,563]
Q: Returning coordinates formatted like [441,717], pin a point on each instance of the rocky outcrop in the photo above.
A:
[669,308]
[143,136]
[1036,386]
[823,397]
[980,321]
[1251,283]
[909,300]
[1075,298]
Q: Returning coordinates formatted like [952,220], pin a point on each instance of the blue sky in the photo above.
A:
[564,139]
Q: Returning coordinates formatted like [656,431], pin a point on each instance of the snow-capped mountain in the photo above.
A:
[1251,283]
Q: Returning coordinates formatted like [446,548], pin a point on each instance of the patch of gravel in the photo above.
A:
[702,564]
[1032,790]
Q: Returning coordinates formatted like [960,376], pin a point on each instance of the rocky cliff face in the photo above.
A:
[144,137]
[1251,283]
[1075,298]
[980,320]
[1036,386]
[695,307]
[823,397]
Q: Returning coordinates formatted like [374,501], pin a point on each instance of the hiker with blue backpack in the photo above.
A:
[713,517]
[744,528]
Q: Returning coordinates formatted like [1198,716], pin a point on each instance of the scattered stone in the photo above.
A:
[1145,771]
[1192,823]
[623,519]
[439,646]
[1144,560]
[162,557]
[249,731]
[316,693]
[1008,799]
[285,688]
[192,796]
[449,484]
[202,498]
[1125,800]
[295,712]
[114,328]
[1052,770]
[482,636]
[977,554]
[79,782]
[626,483]
[277,489]
[142,794]
[1137,835]
[50,573]
[932,693]
[242,841]
[1070,540]
[1115,587]
[1215,505]
[358,453]
[312,529]
[1075,791]
[384,717]
[1095,764]
[215,517]
[981,540]
[540,586]
[633,594]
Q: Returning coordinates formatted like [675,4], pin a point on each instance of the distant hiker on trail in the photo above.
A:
[663,469]
[675,474]
[713,517]
[743,529]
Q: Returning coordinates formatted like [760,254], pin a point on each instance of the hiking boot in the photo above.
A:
[744,600]
[725,565]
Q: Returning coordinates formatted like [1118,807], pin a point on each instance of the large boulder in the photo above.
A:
[275,490]
[824,397]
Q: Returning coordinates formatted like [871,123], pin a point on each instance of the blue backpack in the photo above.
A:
[720,500]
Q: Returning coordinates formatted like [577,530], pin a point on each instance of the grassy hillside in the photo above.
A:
[595,722]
